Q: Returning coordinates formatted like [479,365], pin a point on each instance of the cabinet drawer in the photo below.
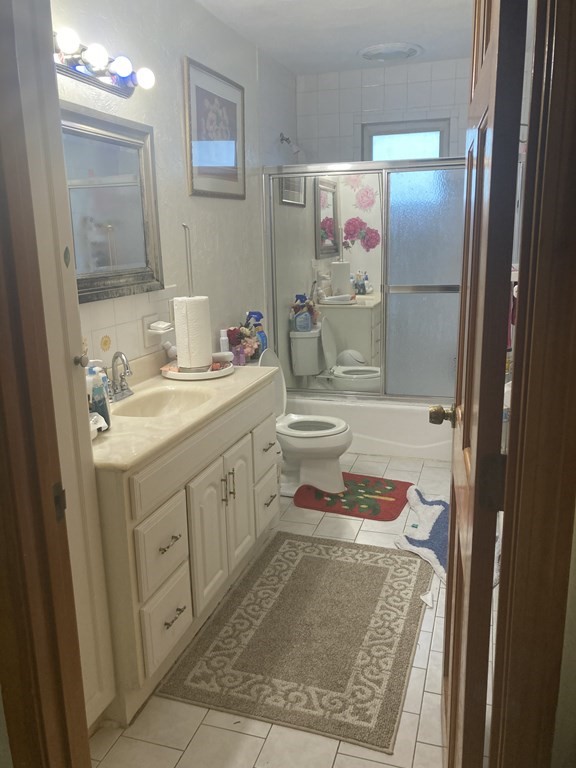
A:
[165,618]
[264,446]
[266,500]
[161,543]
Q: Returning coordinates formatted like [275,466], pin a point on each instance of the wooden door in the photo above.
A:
[51,223]
[240,518]
[207,534]
[491,161]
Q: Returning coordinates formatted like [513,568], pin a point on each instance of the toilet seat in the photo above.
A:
[294,425]
[361,372]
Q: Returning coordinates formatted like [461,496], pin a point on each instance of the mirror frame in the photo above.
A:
[323,251]
[108,285]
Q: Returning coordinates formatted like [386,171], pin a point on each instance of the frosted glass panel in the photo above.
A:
[426,226]
[421,336]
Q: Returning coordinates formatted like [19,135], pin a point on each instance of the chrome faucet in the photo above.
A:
[120,388]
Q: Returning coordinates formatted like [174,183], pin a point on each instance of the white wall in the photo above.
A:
[226,235]
[332,106]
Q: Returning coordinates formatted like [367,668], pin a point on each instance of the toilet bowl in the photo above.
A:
[354,376]
[311,445]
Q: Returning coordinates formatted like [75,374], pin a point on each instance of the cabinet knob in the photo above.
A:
[268,447]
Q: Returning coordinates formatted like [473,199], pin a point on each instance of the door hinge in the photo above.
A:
[59,495]
[492,480]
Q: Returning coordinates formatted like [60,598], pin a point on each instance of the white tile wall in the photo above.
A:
[334,105]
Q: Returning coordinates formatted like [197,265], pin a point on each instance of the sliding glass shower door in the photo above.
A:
[423,256]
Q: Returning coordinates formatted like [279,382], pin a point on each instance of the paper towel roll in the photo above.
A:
[193,332]
[340,272]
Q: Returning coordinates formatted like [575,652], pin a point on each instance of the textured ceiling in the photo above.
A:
[325,35]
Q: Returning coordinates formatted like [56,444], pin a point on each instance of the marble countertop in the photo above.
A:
[362,300]
[132,440]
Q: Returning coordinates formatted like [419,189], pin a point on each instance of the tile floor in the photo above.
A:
[171,734]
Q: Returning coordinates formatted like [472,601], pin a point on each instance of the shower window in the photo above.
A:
[416,140]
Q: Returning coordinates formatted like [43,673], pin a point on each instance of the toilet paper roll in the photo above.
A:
[193,332]
[340,272]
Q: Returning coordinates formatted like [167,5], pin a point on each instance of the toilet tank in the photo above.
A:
[305,352]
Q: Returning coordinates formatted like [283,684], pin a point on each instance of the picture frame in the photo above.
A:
[215,147]
[293,190]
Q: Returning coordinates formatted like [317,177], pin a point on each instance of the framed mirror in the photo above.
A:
[326,217]
[112,193]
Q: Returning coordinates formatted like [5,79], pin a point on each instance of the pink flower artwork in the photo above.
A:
[357,229]
[354,181]
[327,229]
[323,199]
[353,228]
[365,198]
[371,239]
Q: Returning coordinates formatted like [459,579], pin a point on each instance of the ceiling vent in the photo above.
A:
[390,52]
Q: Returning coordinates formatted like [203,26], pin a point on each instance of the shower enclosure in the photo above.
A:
[398,228]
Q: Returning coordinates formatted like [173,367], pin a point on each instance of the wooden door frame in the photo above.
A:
[541,478]
[40,669]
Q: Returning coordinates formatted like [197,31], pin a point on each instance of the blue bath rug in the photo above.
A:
[430,539]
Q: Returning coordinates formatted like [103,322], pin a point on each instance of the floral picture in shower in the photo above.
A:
[361,207]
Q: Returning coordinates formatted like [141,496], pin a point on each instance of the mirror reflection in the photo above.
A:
[328,240]
[110,175]
[384,309]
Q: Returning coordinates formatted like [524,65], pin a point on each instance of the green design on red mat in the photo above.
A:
[369,497]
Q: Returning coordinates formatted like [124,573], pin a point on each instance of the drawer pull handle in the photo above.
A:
[233,488]
[270,445]
[179,612]
[270,500]
[224,498]
[173,541]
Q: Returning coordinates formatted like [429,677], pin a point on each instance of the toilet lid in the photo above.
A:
[269,359]
[328,345]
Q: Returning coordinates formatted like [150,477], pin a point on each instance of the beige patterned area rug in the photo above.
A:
[318,635]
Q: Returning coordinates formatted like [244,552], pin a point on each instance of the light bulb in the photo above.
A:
[145,78]
[121,66]
[67,41]
[96,56]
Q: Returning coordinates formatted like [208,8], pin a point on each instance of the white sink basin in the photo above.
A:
[161,402]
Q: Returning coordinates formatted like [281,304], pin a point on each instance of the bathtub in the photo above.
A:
[384,427]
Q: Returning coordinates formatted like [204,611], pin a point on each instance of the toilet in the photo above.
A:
[311,445]
[346,371]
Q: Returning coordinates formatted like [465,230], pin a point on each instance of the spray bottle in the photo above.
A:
[97,389]
[254,322]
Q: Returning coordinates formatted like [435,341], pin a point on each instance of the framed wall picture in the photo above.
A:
[293,190]
[214,133]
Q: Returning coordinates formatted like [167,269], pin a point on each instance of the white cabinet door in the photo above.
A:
[241,526]
[207,534]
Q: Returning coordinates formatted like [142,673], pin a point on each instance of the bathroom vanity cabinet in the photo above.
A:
[356,326]
[180,527]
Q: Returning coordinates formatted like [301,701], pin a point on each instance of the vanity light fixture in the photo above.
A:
[93,65]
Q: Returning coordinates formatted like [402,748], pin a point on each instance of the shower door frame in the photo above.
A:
[384,168]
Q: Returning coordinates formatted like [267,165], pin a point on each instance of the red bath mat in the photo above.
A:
[373,498]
